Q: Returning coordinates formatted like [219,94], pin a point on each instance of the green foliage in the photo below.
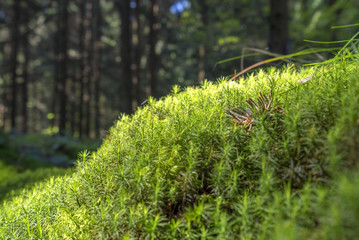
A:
[13,182]
[28,159]
[31,151]
[179,168]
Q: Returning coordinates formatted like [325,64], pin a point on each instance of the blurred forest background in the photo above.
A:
[70,67]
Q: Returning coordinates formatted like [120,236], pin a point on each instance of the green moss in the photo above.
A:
[12,182]
[179,168]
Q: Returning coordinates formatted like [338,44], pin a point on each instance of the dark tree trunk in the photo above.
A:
[25,71]
[278,26]
[55,99]
[305,5]
[89,67]
[73,105]
[62,63]
[3,107]
[97,65]
[82,64]
[85,49]
[137,56]
[126,60]
[36,116]
[14,60]
[202,47]
[153,60]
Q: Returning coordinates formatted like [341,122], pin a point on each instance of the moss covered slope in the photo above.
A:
[181,168]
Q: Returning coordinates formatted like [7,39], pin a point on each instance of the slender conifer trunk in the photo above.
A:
[14,60]
[278,26]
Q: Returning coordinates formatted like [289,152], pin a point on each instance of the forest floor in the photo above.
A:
[30,158]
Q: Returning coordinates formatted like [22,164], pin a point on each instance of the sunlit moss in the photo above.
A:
[180,168]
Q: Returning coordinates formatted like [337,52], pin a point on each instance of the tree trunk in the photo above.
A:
[82,64]
[85,50]
[153,60]
[55,99]
[25,71]
[202,48]
[3,106]
[278,26]
[97,65]
[14,61]
[89,67]
[62,63]
[126,60]
[73,104]
[5,91]
[137,56]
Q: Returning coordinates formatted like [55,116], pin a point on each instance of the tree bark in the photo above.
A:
[202,47]
[89,66]
[62,63]
[85,50]
[153,59]
[126,59]
[55,100]
[14,61]
[26,49]
[136,68]
[97,66]
[278,26]
[82,64]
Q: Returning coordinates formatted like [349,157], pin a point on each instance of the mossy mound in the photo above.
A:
[181,168]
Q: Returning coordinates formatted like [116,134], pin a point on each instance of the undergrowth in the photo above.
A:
[181,168]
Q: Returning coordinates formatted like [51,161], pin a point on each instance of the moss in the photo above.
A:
[179,168]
